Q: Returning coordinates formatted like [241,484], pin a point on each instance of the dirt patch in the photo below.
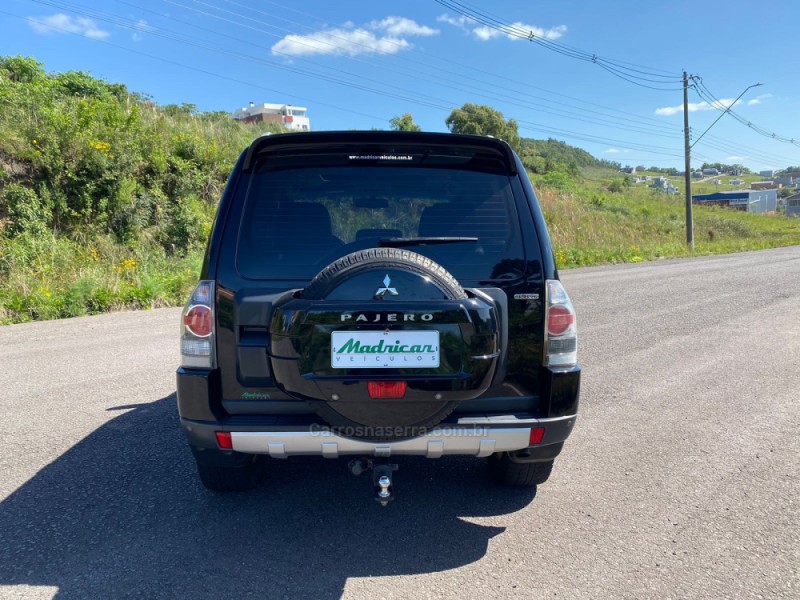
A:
[17,169]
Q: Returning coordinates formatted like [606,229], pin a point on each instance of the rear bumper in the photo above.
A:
[467,436]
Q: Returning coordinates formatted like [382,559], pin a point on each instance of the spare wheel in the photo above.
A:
[384,343]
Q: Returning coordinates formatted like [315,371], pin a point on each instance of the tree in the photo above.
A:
[21,69]
[479,119]
[404,123]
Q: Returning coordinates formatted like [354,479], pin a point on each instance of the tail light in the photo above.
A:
[536,437]
[197,328]
[561,330]
[224,440]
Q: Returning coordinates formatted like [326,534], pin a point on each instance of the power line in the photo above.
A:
[197,69]
[526,126]
[618,123]
[732,148]
[167,34]
[527,34]
[618,69]
[706,95]
[516,82]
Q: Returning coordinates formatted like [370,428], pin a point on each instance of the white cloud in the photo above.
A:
[735,158]
[485,33]
[141,26]
[339,42]
[460,21]
[611,151]
[387,36]
[398,26]
[668,111]
[758,99]
[61,23]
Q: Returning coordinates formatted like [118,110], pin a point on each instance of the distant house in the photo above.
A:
[629,170]
[659,182]
[763,185]
[754,201]
[787,181]
[710,172]
[293,117]
[696,174]
[662,184]
[793,206]
[768,173]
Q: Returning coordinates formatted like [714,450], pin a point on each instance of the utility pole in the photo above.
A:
[688,152]
[688,165]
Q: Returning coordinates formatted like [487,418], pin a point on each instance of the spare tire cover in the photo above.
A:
[364,275]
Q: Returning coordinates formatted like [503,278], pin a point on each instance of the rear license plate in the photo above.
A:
[384,349]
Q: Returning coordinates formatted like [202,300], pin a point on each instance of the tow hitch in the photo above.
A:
[382,482]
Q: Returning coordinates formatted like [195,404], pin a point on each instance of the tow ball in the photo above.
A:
[382,483]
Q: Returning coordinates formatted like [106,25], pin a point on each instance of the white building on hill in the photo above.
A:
[293,117]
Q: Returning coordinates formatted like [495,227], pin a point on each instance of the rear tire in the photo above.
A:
[232,479]
[517,474]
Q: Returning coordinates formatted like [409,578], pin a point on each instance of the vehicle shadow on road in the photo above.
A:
[122,513]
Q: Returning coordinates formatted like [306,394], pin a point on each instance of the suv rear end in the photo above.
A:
[376,294]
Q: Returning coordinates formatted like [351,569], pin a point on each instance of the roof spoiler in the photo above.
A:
[360,138]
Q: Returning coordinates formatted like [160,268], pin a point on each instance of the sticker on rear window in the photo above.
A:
[381,157]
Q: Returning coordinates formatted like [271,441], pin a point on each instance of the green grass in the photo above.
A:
[708,187]
[590,225]
[106,198]
[53,277]
[701,187]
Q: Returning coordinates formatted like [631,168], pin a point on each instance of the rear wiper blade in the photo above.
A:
[398,242]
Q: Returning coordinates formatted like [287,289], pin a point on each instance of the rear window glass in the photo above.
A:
[296,220]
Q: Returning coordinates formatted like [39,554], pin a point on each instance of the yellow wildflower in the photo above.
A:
[98,145]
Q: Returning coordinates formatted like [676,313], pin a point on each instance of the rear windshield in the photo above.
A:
[298,219]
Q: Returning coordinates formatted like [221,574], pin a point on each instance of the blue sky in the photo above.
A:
[355,65]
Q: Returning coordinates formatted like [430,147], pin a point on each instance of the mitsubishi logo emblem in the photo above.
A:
[382,291]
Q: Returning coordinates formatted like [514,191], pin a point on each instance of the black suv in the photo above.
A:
[377,294]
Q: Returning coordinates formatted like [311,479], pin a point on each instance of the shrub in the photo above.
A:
[26,212]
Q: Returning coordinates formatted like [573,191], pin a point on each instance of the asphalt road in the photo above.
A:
[681,480]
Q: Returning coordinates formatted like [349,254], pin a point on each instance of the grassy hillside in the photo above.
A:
[598,219]
[106,199]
